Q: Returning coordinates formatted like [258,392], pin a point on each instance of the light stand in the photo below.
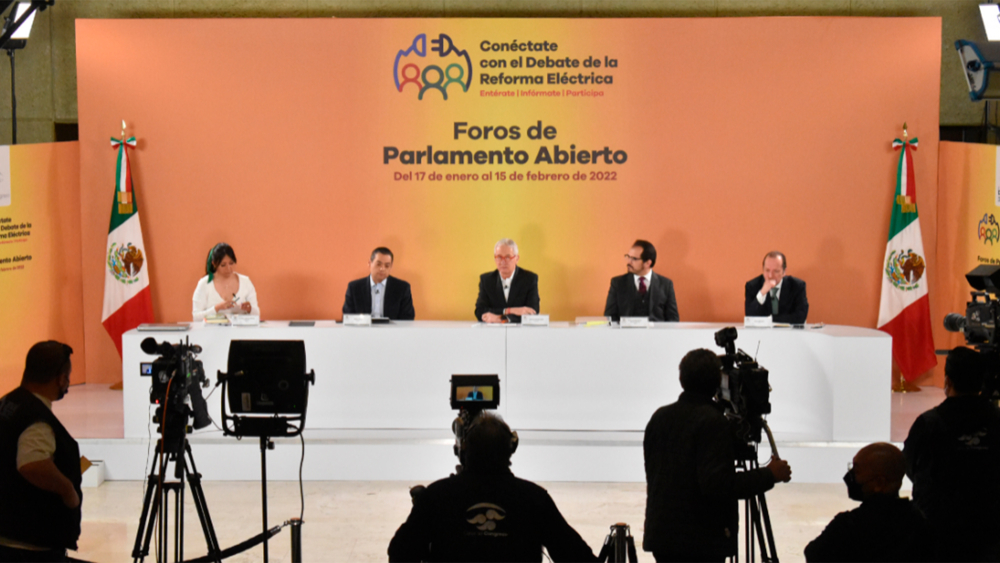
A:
[16,29]
[267,388]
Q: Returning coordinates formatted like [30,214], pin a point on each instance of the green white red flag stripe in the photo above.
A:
[904,309]
[127,300]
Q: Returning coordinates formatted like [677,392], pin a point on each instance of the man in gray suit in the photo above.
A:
[641,292]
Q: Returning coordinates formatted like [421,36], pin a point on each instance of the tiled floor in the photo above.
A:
[354,521]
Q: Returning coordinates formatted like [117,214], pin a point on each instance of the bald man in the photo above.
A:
[885,527]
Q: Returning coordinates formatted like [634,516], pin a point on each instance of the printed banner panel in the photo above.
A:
[40,275]
[716,139]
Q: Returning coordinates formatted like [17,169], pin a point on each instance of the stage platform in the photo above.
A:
[93,413]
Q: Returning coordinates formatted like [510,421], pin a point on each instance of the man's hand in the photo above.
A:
[766,288]
[521,311]
[46,476]
[780,469]
[491,318]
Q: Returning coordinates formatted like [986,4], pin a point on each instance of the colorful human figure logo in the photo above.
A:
[451,65]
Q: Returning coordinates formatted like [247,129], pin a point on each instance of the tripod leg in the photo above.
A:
[263,487]
[150,508]
[773,552]
[201,505]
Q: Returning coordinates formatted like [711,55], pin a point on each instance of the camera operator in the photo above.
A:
[485,513]
[885,527]
[39,463]
[953,456]
[692,485]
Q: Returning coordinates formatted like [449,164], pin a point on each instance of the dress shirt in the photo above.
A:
[777,292]
[506,283]
[378,297]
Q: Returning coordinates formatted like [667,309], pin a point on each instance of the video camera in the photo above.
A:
[470,396]
[177,376]
[744,394]
[980,322]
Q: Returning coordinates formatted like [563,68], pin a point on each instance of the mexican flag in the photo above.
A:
[127,302]
[904,311]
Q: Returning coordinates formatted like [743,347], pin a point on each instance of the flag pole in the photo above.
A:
[901,385]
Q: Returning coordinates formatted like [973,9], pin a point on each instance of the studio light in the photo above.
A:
[16,29]
[991,20]
[977,69]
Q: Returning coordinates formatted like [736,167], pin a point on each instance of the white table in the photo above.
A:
[829,384]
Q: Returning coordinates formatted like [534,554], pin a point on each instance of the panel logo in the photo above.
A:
[125,262]
[904,269]
[484,516]
[988,230]
[445,67]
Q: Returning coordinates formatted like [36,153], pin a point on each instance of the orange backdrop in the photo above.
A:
[40,298]
[742,136]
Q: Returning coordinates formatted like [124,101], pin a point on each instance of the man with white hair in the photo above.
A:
[507,293]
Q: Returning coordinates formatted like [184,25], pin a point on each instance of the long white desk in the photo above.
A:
[829,384]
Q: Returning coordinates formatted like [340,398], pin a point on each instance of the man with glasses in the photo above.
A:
[508,292]
[641,292]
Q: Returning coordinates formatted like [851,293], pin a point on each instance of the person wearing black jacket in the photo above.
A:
[775,294]
[953,458]
[379,294]
[641,292]
[692,485]
[509,292]
[885,527]
[39,463]
[485,513]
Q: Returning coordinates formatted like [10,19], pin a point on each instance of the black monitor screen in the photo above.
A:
[267,377]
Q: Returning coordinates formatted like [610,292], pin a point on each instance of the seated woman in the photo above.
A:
[223,290]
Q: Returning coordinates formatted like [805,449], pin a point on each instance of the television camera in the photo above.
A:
[979,323]
[177,381]
[745,396]
[744,393]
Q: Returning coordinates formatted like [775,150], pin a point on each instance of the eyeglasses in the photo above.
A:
[499,258]
[631,258]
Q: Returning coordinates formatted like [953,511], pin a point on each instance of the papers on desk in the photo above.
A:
[165,327]
[590,322]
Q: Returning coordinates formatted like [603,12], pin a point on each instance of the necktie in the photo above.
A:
[774,301]
[642,287]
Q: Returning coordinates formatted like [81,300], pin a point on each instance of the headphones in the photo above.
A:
[463,432]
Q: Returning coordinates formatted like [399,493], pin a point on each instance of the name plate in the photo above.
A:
[244,320]
[535,320]
[758,322]
[357,320]
[635,322]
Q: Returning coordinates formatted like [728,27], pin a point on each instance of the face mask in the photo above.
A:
[854,489]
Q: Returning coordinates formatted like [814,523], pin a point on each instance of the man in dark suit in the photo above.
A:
[380,294]
[773,285]
[640,292]
[507,292]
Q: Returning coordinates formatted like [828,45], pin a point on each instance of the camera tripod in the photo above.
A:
[756,520]
[156,506]
[757,523]
[619,546]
